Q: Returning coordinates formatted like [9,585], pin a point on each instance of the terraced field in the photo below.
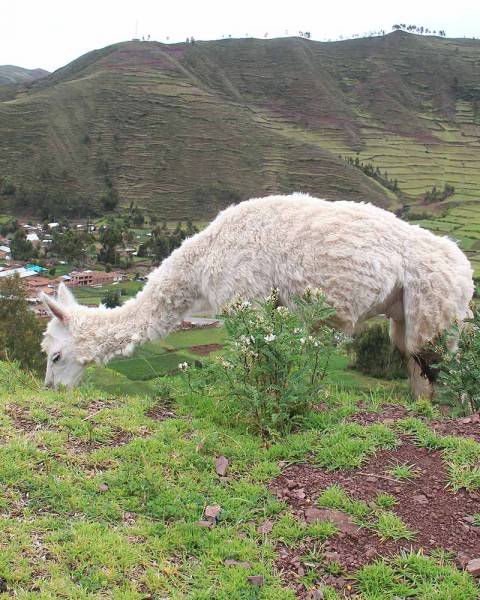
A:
[186,129]
[461,223]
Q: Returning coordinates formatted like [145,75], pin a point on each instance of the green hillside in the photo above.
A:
[185,129]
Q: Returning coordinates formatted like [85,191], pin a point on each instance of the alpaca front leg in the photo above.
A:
[420,386]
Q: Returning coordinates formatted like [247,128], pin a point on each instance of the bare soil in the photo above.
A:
[439,517]
[205,349]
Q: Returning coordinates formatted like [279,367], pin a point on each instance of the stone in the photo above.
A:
[211,512]
[230,562]
[337,517]
[265,527]
[473,567]
[462,559]
[207,524]
[420,499]
[256,579]
[221,466]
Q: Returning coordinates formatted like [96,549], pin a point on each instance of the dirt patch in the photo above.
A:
[119,438]
[160,412]
[22,420]
[439,517]
[205,349]
[388,413]
[465,427]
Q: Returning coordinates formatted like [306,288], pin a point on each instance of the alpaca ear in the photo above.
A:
[65,296]
[54,308]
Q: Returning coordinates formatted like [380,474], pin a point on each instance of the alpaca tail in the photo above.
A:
[436,295]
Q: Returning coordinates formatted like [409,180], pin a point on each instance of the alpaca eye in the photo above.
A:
[56,357]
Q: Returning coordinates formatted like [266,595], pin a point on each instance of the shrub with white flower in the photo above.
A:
[275,361]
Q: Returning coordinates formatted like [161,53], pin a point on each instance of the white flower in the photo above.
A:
[183,366]
[226,364]
[283,310]
[270,337]
[302,340]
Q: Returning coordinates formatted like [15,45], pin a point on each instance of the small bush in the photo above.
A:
[459,371]
[375,355]
[275,361]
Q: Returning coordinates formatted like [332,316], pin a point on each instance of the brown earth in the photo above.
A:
[439,517]
[205,349]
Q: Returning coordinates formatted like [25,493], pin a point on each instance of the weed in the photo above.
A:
[384,500]
[403,471]
[390,526]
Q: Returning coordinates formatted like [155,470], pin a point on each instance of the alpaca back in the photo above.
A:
[359,255]
[352,251]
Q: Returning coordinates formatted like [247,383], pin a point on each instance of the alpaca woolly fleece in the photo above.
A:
[364,259]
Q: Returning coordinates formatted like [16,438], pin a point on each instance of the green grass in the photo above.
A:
[414,576]
[403,472]
[100,500]
[386,523]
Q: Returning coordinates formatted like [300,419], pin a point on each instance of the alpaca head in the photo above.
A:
[64,365]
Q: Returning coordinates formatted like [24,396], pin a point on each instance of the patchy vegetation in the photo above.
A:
[106,495]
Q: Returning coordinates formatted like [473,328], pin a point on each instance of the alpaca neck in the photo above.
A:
[168,296]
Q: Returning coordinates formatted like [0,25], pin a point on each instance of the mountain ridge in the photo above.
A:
[12,74]
[185,129]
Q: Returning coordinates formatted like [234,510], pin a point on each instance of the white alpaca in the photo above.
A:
[366,261]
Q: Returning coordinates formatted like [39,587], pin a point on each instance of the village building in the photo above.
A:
[91,278]
[199,323]
[36,285]
[33,238]
[22,272]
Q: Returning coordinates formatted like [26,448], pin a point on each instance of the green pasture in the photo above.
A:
[160,357]
[94,295]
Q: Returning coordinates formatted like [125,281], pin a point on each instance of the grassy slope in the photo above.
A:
[100,500]
[180,127]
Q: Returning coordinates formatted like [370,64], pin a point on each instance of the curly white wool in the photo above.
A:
[364,259]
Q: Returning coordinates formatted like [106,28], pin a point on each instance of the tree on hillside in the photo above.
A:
[7,187]
[159,247]
[21,248]
[112,298]
[70,245]
[20,332]
[110,237]
[9,227]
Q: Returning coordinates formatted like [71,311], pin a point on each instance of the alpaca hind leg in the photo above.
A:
[420,386]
